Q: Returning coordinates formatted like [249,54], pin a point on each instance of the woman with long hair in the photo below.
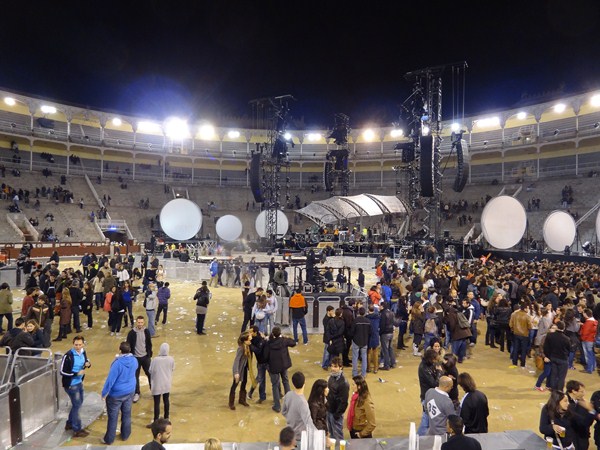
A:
[317,403]
[36,333]
[241,364]
[417,321]
[449,369]
[117,310]
[361,412]
[490,334]
[436,344]
[87,303]
[534,313]
[65,314]
[555,421]
[474,408]
[260,314]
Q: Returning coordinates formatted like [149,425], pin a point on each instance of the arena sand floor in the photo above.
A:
[202,379]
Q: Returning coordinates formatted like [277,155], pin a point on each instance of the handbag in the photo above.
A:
[539,362]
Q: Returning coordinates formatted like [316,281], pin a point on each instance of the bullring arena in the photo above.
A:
[125,173]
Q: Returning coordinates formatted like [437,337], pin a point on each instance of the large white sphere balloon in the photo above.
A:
[559,230]
[503,222]
[282,224]
[181,219]
[229,228]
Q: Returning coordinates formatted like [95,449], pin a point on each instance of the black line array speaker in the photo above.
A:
[426,166]
[463,167]
[255,178]
[327,176]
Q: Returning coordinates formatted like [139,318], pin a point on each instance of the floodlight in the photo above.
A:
[46,109]
[314,136]
[233,134]
[425,131]
[595,100]
[117,122]
[396,133]
[10,101]
[455,126]
[287,136]
[488,122]
[559,108]
[148,127]
[206,131]
[177,129]
[368,134]
[522,115]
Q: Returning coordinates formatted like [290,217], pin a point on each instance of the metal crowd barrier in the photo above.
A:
[27,394]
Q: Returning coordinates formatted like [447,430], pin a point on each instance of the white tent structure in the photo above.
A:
[336,209]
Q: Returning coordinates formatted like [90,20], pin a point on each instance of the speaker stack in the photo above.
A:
[427,168]
[255,178]
[463,166]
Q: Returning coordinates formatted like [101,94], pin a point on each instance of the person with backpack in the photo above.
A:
[202,298]
[431,328]
[460,330]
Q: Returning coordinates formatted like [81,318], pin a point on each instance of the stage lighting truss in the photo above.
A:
[336,172]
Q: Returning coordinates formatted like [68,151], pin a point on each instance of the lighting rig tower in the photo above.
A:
[421,155]
[336,169]
[272,114]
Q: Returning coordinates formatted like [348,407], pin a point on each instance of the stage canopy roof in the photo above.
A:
[335,209]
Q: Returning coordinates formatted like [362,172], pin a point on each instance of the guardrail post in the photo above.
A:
[16,425]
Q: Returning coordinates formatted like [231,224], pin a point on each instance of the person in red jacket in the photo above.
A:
[587,333]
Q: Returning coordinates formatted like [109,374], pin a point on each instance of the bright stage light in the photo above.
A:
[396,133]
[233,134]
[560,108]
[287,136]
[148,127]
[177,128]
[206,131]
[10,101]
[425,130]
[595,100]
[488,122]
[46,109]
[455,127]
[314,136]
[117,122]
[522,115]
[368,135]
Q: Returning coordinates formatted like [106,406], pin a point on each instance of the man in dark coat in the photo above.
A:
[337,399]
[458,335]
[247,304]
[278,357]
[557,347]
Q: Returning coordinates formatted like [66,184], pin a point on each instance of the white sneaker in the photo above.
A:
[112,333]
[136,398]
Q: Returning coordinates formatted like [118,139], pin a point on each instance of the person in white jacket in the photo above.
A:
[161,371]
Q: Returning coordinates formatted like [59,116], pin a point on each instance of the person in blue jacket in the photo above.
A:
[118,391]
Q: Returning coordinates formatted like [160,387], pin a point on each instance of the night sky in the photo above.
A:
[207,60]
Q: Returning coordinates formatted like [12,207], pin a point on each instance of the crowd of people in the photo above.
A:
[541,311]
